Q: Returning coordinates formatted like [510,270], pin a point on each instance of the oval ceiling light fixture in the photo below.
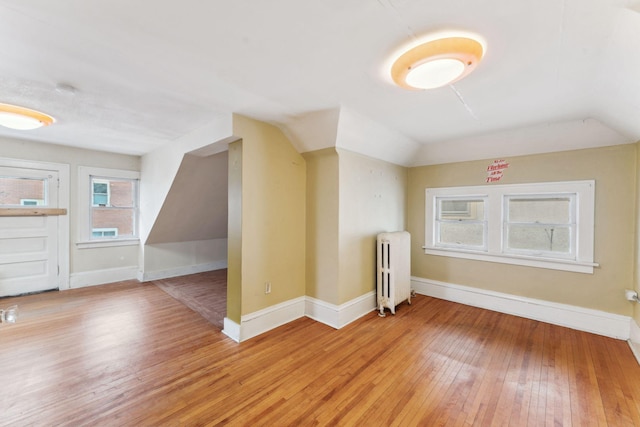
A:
[20,118]
[440,61]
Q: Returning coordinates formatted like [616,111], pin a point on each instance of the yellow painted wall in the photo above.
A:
[613,169]
[373,198]
[234,234]
[322,225]
[273,216]
[350,199]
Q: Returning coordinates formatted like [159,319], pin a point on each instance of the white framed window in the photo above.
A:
[461,223]
[100,192]
[104,232]
[546,225]
[108,207]
[32,202]
[540,225]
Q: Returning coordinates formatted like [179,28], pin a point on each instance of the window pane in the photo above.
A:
[122,193]
[122,220]
[461,209]
[539,238]
[22,191]
[100,199]
[462,233]
[541,210]
[104,232]
[99,192]
[100,188]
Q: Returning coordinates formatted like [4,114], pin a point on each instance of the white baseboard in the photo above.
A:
[261,321]
[100,277]
[147,276]
[338,316]
[634,339]
[579,318]
[231,329]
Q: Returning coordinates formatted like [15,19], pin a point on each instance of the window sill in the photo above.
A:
[528,261]
[107,243]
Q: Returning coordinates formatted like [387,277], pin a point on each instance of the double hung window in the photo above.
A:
[548,225]
[100,191]
[540,225]
[461,223]
[113,208]
[109,205]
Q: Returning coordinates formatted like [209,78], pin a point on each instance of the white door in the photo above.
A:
[28,244]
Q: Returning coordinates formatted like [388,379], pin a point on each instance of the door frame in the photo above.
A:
[63,202]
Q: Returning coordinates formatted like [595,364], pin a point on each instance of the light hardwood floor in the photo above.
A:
[204,293]
[128,354]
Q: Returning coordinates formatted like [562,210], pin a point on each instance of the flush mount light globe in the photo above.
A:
[20,118]
[437,62]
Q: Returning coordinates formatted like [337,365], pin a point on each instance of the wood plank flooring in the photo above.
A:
[204,293]
[127,354]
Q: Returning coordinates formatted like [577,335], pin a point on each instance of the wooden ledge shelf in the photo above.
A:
[32,212]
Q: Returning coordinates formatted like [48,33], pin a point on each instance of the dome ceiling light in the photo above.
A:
[438,62]
[20,118]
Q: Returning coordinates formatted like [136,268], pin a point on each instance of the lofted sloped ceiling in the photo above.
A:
[131,76]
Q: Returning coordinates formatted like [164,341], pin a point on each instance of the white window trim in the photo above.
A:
[482,221]
[572,225]
[585,190]
[85,203]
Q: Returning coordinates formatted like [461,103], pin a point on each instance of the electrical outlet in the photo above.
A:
[267,287]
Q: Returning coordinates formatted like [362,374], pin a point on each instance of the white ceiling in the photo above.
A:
[148,72]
